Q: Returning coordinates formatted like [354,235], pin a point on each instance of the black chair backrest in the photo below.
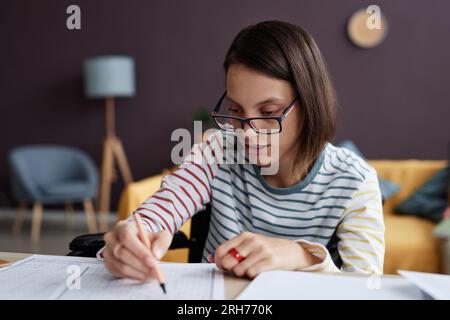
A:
[199,232]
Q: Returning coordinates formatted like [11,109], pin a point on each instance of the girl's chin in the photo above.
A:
[260,160]
[263,164]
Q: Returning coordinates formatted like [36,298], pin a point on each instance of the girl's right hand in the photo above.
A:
[126,255]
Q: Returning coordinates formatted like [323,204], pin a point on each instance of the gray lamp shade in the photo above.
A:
[109,76]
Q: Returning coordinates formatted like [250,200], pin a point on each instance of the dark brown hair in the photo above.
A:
[286,51]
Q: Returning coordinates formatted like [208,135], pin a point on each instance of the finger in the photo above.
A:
[126,257]
[252,252]
[110,243]
[121,270]
[260,266]
[223,249]
[246,247]
[241,268]
[127,236]
[112,260]
[109,237]
[229,261]
[211,257]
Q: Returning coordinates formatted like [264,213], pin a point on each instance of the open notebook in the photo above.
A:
[288,285]
[56,277]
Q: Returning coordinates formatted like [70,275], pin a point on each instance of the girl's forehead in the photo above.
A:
[238,73]
[248,87]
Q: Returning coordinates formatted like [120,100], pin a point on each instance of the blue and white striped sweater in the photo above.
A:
[340,196]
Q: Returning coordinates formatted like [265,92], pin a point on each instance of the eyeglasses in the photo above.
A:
[261,125]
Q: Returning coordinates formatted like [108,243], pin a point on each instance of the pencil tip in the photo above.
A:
[163,286]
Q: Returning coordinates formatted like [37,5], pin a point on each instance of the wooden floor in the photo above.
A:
[58,229]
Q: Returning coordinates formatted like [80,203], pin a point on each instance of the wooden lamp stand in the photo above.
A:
[113,152]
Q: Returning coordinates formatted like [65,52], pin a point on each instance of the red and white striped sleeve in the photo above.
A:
[185,191]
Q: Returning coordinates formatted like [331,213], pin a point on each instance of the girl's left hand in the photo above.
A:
[261,253]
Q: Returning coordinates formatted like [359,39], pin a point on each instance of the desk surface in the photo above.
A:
[233,285]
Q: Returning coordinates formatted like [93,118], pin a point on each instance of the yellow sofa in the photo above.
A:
[410,244]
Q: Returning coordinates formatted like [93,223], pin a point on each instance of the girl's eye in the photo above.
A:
[234,110]
[271,111]
[267,113]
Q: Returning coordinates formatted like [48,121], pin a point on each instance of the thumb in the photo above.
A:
[160,243]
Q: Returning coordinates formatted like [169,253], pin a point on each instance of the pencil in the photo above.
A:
[142,235]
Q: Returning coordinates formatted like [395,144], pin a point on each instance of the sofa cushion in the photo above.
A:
[430,200]
[409,174]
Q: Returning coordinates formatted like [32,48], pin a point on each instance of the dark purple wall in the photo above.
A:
[394,98]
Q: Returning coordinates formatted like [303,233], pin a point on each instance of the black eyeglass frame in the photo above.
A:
[279,118]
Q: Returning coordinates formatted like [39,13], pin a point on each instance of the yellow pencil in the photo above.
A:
[143,236]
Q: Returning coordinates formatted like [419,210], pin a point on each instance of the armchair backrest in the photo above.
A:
[35,165]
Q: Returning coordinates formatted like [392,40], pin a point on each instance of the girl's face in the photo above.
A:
[253,94]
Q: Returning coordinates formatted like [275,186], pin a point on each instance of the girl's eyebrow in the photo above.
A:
[268,100]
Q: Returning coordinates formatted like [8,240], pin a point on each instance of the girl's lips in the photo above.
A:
[256,148]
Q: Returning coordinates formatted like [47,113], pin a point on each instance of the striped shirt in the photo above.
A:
[339,200]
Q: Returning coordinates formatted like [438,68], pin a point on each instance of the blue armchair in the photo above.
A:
[52,174]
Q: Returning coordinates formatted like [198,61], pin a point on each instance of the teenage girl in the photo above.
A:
[321,210]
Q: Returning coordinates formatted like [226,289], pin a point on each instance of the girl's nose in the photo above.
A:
[248,131]
[246,127]
[249,135]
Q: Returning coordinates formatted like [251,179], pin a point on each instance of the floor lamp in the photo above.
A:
[109,77]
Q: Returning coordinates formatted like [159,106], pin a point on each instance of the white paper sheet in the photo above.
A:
[288,285]
[436,286]
[50,277]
